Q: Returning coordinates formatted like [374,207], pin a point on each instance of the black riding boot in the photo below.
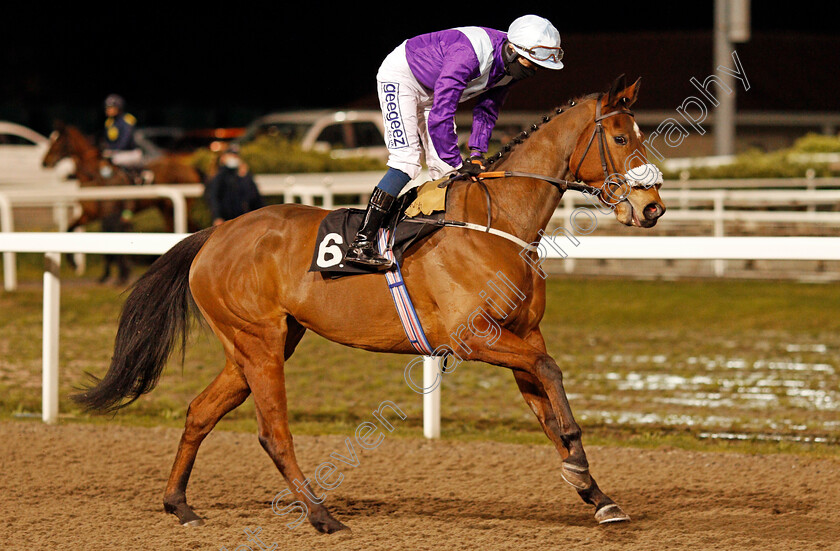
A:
[363,250]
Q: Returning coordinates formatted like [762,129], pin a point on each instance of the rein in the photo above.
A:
[562,186]
[606,158]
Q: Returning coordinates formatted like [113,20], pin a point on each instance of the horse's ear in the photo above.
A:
[624,95]
[615,89]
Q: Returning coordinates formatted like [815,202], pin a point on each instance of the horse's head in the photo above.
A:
[59,146]
[610,155]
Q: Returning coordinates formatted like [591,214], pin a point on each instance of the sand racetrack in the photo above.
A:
[100,487]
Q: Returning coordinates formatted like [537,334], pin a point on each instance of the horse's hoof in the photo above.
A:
[330,527]
[611,513]
[186,516]
[326,524]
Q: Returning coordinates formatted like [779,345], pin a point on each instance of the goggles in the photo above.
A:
[543,53]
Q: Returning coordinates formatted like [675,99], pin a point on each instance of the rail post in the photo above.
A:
[720,196]
[49,350]
[431,400]
[7,224]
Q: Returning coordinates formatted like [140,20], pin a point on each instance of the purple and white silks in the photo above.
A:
[428,76]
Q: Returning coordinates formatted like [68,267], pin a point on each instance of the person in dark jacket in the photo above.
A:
[232,191]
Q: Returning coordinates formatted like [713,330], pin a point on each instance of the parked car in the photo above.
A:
[341,133]
[214,139]
[21,154]
[157,140]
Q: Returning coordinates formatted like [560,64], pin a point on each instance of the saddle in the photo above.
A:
[419,213]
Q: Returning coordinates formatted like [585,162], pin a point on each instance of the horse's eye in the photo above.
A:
[620,140]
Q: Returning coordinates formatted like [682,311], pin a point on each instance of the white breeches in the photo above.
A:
[405,104]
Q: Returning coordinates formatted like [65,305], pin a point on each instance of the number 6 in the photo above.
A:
[329,254]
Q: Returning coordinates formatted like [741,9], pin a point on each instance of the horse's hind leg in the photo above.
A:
[276,440]
[227,391]
[107,260]
[167,212]
[264,370]
[124,269]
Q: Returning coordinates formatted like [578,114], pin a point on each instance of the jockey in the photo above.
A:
[119,144]
[420,85]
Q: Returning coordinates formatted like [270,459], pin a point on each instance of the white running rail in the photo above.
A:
[53,245]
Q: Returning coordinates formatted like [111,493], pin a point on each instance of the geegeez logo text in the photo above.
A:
[394,126]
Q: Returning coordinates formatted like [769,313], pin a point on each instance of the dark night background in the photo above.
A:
[224,64]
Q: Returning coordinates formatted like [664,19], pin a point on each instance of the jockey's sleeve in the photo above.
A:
[485,115]
[459,68]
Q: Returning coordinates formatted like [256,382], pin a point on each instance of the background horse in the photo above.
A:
[94,170]
[250,280]
[68,141]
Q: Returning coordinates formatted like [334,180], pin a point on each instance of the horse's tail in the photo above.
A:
[154,317]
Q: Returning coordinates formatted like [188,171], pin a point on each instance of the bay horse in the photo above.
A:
[249,279]
[93,169]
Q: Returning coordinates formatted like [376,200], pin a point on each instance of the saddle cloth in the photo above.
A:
[338,229]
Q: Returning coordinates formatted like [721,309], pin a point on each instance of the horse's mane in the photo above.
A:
[525,134]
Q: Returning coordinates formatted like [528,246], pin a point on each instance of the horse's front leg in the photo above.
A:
[541,384]
[87,215]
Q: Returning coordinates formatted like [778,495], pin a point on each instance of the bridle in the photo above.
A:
[67,148]
[59,147]
[562,185]
[607,161]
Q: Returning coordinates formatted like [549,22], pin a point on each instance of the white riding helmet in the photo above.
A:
[536,39]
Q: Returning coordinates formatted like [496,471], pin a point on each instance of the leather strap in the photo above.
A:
[486,229]
[470,226]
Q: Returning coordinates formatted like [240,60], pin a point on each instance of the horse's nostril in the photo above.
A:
[653,211]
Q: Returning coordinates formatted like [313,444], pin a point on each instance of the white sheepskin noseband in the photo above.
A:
[643,176]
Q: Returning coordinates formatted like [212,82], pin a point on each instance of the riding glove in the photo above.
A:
[473,166]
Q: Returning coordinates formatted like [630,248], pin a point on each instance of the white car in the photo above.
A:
[341,133]
[21,154]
